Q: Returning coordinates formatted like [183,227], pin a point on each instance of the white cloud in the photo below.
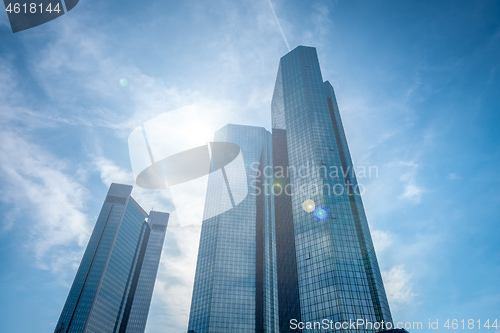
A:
[411,164]
[398,286]
[45,197]
[13,99]
[174,286]
[416,84]
[80,66]
[397,281]
[412,191]
[453,176]
[382,240]
[158,200]
[111,173]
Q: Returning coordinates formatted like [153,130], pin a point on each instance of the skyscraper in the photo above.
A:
[298,248]
[113,286]
[235,282]
[327,266]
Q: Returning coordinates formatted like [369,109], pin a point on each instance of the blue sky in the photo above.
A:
[417,83]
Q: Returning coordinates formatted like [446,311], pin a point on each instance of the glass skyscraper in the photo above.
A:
[327,266]
[235,282]
[298,248]
[114,284]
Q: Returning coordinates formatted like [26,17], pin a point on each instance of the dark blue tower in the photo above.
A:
[327,267]
[235,282]
[113,286]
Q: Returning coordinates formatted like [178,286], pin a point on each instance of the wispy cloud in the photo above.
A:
[95,73]
[398,285]
[320,30]
[79,67]
[398,281]
[112,173]
[382,240]
[43,195]
[39,190]
[172,296]
[411,190]
[416,84]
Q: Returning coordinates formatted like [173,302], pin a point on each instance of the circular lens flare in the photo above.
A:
[320,213]
[308,205]
[123,82]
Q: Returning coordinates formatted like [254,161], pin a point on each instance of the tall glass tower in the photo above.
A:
[298,248]
[327,266]
[235,282]
[114,284]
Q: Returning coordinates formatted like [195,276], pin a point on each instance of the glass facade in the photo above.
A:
[288,288]
[144,279]
[337,275]
[298,247]
[236,278]
[113,285]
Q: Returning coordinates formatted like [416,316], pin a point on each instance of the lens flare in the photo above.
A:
[123,82]
[308,205]
[320,213]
